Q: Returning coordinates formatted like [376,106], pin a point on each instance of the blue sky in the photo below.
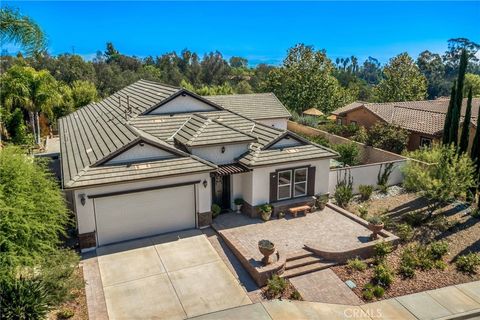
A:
[259,31]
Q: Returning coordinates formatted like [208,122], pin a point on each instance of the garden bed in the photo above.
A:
[452,224]
[78,306]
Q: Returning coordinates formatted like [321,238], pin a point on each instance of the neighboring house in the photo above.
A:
[153,158]
[423,119]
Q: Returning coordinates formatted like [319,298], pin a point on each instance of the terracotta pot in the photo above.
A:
[322,205]
[266,248]
[375,228]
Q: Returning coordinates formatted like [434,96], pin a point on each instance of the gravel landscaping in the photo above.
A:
[452,224]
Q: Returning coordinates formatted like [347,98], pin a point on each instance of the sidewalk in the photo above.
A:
[454,302]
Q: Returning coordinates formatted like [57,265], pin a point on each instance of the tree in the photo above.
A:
[402,81]
[22,30]
[431,66]
[305,80]
[34,91]
[472,81]
[215,69]
[449,116]
[83,93]
[464,138]
[371,71]
[387,137]
[454,52]
[457,107]
[449,176]
[238,62]
[475,152]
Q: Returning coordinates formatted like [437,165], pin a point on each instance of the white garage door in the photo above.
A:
[134,215]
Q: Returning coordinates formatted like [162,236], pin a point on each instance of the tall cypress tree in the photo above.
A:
[466,124]
[455,122]
[448,117]
[457,109]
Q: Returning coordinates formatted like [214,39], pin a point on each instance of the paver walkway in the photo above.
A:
[324,286]
[454,302]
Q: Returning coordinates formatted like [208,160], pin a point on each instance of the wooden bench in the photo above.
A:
[295,210]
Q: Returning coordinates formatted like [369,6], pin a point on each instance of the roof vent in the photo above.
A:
[291,150]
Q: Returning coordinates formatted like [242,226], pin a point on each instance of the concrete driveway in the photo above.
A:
[173,276]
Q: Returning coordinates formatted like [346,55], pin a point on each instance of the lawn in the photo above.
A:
[452,224]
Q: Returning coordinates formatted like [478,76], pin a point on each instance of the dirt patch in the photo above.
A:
[452,224]
[78,305]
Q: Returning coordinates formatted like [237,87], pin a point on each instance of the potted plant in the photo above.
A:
[375,224]
[238,204]
[265,211]
[267,248]
[216,210]
[281,215]
[321,201]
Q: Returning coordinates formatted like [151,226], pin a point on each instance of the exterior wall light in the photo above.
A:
[205,183]
[83,199]
[223,149]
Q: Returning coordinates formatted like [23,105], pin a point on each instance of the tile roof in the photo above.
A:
[420,116]
[255,106]
[92,135]
[199,130]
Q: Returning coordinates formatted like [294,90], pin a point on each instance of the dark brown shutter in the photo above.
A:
[311,181]
[273,186]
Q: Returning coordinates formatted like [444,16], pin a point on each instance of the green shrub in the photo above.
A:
[438,249]
[414,218]
[349,153]
[408,262]
[387,137]
[343,193]
[23,299]
[441,223]
[238,201]
[65,313]
[367,292]
[216,210]
[468,262]
[383,275]
[361,135]
[363,211]
[382,249]
[440,264]
[276,285]
[365,191]
[356,264]
[295,295]
[378,291]
[404,231]
[424,258]
[376,220]
[406,271]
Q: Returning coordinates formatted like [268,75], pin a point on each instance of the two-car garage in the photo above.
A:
[121,216]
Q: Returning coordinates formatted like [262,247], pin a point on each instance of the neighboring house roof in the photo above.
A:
[313,112]
[255,106]
[426,117]
[93,135]
[199,130]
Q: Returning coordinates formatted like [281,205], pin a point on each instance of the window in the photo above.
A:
[425,142]
[284,184]
[300,182]
[292,183]
[353,122]
[339,121]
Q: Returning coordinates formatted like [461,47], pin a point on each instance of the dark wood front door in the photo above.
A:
[221,191]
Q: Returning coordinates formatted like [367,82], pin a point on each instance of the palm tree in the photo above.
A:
[34,91]
[22,30]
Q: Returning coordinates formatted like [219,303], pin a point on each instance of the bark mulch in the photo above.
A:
[78,305]
[463,236]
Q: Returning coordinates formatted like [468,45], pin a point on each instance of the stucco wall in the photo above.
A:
[362,116]
[182,104]
[261,179]
[215,155]
[237,182]
[366,175]
[139,152]
[279,123]
[85,214]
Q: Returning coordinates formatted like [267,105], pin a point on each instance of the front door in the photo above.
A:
[221,191]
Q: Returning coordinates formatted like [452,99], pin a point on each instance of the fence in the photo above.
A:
[374,161]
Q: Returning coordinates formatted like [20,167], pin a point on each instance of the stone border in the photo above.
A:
[365,250]
[259,274]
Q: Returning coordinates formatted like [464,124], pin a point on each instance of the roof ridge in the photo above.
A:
[232,128]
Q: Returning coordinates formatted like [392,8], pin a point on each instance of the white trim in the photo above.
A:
[283,185]
[295,183]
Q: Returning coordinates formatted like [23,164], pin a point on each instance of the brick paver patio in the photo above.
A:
[328,229]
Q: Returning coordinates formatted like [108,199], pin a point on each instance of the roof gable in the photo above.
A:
[285,141]
[183,101]
[140,151]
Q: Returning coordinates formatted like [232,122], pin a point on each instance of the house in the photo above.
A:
[152,158]
[423,119]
